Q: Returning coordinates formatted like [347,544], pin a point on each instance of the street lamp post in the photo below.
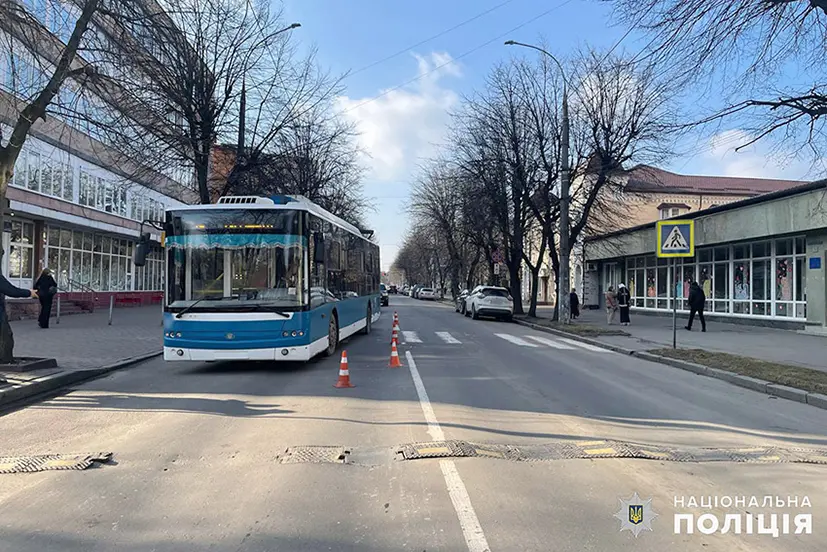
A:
[564,312]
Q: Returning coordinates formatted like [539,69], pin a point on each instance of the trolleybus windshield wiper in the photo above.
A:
[205,298]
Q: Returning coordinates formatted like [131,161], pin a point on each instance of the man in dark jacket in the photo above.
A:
[697,299]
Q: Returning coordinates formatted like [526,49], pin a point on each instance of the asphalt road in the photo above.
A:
[198,451]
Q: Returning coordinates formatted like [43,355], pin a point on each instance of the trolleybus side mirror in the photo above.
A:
[141,250]
[318,248]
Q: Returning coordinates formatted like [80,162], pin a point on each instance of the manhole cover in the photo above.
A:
[315,455]
[47,462]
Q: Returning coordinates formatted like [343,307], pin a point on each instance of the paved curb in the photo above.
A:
[64,379]
[782,391]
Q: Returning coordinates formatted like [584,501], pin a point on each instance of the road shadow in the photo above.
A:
[166,403]
[483,385]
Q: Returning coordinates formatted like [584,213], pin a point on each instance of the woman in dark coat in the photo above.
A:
[574,303]
[46,289]
[624,303]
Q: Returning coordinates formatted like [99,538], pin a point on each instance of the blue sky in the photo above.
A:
[402,122]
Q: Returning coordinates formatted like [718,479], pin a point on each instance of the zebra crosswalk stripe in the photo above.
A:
[515,340]
[587,346]
[411,337]
[549,342]
[448,338]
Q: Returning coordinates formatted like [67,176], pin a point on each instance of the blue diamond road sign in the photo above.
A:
[676,238]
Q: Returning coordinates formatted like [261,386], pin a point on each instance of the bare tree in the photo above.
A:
[749,44]
[315,156]
[439,201]
[32,107]
[496,148]
[204,72]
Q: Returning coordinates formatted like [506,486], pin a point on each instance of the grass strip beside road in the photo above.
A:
[584,330]
[808,379]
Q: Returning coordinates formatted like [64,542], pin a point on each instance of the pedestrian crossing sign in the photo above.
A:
[676,238]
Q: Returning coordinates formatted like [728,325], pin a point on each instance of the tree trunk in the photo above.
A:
[7,161]
[516,292]
[535,282]
[202,174]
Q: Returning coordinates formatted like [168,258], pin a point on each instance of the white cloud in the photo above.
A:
[760,160]
[404,125]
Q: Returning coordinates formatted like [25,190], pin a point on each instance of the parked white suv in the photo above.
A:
[490,301]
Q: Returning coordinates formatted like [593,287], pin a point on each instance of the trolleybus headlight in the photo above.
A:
[301,333]
[178,334]
[285,352]
[295,333]
[180,352]
[285,334]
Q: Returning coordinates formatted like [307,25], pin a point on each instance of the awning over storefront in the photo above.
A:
[234,241]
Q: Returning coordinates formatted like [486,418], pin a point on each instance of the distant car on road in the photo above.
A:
[384,297]
[427,294]
[393,290]
[415,291]
[490,301]
[459,303]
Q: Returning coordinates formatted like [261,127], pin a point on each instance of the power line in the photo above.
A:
[429,39]
[461,56]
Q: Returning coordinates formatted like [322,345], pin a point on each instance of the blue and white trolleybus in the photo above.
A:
[265,278]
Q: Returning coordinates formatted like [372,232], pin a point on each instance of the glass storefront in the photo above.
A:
[765,278]
[103,262]
[20,267]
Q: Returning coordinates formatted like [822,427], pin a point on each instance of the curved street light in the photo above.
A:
[564,312]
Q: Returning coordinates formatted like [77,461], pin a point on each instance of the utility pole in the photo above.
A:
[563,307]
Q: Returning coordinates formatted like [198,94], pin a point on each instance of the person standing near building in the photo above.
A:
[624,303]
[611,305]
[46,290]
[574,303]
[697,300]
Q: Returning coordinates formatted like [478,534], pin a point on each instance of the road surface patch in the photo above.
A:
[50,462]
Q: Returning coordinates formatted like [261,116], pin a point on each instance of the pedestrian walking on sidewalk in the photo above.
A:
[697,300]
[574,303]
[611,306]
[46,290]
[624,299]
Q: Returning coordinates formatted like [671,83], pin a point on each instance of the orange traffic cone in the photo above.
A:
[395,333]
[395,362]
[344,373]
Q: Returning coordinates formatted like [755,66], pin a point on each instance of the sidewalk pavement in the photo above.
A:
[84,346]
[648,332]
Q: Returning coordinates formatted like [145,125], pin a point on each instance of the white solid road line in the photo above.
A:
[549,342]
[433,425]
[411,337]
[515,340]
[469,522]
[448,338]
[586,346]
